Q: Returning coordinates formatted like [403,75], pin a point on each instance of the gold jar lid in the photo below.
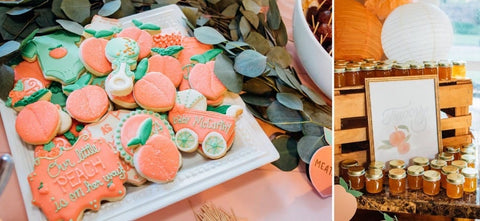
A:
[397,164]
[397,173]
[339,70]
[444,63]
[377,165]
[467,150]
[415,170]
[356,171]
[369,60]
[352,68]
[468,158]
[449,169]
[417,65]
[452,150]
[431,175]
[384,67]
[469,173]
[402,66]
[345,164]
[459,63]
[446,156]
[374,174]
[430,64]
[344,62]
[470,145]
[437,164]
[367,67]
[455,178]
[420,161]
[460,164]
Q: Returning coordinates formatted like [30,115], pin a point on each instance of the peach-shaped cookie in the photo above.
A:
[167,65]
[203,79]
[38,123]
[158,160]
[143,38]
[92,55]
[191,46]
[26,91]
[155,92]
[30,69]
[88,104]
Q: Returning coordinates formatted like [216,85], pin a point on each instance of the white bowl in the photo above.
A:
[317,62]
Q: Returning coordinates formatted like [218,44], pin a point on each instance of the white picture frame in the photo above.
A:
[403,117]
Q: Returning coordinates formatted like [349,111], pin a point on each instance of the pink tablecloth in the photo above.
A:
[265,193]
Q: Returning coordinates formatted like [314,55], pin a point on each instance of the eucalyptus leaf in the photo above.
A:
[3,16]
[6,84]
[321,116]
[71,26]
[46,19]
[283,76]
[328,135]
[224,71]
[233,30]
[287,148]
[19,28]
[244,26]
[281,35]
[258,42]
[231,10]
[250,63]
[280,56]
[109,8]
[284,118]
[9,47]
[289,100]
[213,1]
[313,130]
[256,113]
[313,95]
[273,15]
[251,5]
[57,10]
[208,35]
[257,100]
[202,20]
[284,88]
[19,10]
[161,3]
[252,18]
[257,86]
[126,9]
[308,145]
[77,10]
[191,14]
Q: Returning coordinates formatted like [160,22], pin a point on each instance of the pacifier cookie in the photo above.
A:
[122,53]
[88,104]
[155,92]
[38,123]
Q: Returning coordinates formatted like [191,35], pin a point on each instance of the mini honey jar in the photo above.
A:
[339,77]
[366,71]
[401,69]
[356,176]
[444,70]
[416,68]
[431,182]
[460,164]
[383,70]
[458,69]
[352,75]
[374,181]
[470,159]
[437,164]
[414,177]
[448,157]
[467,150]
[470,184]
[397,164]
[455,151]
[447,170]
[455,183]
[421,161]
[344,165]
[431,68]
[397,181]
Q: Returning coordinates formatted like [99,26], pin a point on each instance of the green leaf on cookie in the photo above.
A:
[143,133]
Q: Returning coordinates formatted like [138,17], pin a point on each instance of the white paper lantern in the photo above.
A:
[417,31]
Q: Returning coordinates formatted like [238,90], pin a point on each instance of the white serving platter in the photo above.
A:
[251,149]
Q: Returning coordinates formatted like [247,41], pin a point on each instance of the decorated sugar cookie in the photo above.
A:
[65,121]
[27,91]
[167,65]
[53,148]
[102,27]
[92,55]
[152,29]
[88,104]
[131,127]
[58,56]
[202,78]
[123,54]
[191,47]
[155,92]
[127,101]
[164,40]
[27,69]
[83,81]
[38,123]
[143,38]
[158,159]
[79,178]
[192,99]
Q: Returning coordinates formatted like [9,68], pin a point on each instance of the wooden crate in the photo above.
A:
[350,121]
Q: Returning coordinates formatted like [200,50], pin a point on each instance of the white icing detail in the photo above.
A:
[119,84]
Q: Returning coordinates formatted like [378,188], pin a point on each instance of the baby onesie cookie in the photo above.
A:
[129,128]
[38,123]
[123,54]
[202,78]
[79,178]
[158,160]
[167,65]
[143,38]
[52,149]
[27,69]
[27,91]
[92,55]
[155,92]
[58,56]
[88,104]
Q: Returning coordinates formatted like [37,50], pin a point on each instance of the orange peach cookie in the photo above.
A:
[167,65]
[155,92]
[27,91]
[77,179]
[92,55]
[38,123]
[130,132]
[88,104]
[158,160]
[202,78]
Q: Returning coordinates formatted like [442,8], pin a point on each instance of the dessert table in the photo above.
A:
[266,193]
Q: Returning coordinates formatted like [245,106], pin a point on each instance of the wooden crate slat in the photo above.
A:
[457,140]
[462,122]
[350,135]
[350,105]
[455,95]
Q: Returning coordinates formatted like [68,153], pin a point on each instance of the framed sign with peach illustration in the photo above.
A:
[403,117]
